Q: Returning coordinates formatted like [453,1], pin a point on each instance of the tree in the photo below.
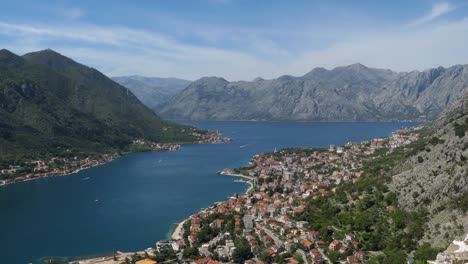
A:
[265,257]
[426,252]
[242,251]
[191,253]
[391,199]
[298,257]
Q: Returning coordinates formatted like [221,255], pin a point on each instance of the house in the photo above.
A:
[361,255]
[291,261]
[146,261]
[356,244]
[248,221]
[343,250]
[178,245]
[218,223]
[316,256]
[163,245]
[352,260]
[320,243]
[289,246]
[350,237]
[307,244]
[334,245]
[314,235]
[193,239]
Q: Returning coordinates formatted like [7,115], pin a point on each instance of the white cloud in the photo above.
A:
[121,50]
[118,50]
[438,9]
[443,45]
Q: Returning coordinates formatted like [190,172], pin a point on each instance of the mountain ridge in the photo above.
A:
[347,93]
[152,91]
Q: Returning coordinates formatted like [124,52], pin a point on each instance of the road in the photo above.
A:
[277,241]
[304,256]
[324,256]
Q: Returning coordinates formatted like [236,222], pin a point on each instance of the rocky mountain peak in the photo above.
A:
[212,80]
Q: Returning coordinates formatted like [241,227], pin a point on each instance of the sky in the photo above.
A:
[239,39]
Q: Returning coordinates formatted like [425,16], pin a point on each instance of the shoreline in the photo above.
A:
[250,178]
[106,259]
[249,181]
[114,156]
[44,175]
[177,233]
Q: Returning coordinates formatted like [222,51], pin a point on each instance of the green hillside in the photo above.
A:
[50,104]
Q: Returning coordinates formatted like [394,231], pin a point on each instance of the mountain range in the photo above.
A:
[50,103]
[348,93]
[152,91]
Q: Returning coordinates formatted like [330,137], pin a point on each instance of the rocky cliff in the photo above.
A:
[436,176]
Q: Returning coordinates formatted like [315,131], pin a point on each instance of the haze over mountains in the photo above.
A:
[49,102]
[349,93]
[152,91]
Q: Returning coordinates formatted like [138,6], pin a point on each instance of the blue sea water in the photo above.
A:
[134,201]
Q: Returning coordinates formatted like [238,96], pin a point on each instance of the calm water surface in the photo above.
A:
[135,200]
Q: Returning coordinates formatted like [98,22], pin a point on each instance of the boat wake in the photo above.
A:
[85,179]
[243,146]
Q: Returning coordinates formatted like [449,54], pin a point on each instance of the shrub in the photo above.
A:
[420,159]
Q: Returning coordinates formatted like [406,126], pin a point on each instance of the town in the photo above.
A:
[70,163]
[266,224]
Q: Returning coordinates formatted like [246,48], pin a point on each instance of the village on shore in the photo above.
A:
[259,226]
[61,166]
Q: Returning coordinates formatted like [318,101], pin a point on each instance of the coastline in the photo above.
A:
[231,174]
[31,177]
[212,138]
[250,179]
[177,233]
[107,259]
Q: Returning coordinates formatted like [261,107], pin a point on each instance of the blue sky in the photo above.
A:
[239,39]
